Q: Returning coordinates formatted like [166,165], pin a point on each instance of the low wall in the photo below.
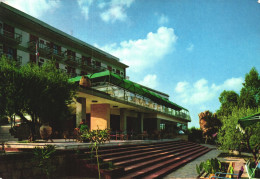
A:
[21,165]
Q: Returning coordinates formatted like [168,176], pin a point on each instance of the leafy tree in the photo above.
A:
[250,93]
[228,100]
[231,138]
[209,124]
[40,92]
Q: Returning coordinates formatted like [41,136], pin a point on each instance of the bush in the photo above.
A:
[195,135]
[4,120]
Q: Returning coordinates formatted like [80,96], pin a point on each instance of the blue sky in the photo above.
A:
[189,49]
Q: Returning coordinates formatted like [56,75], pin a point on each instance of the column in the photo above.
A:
[158,124]
[141,117]
[100,116]
[123,122]
[80,110]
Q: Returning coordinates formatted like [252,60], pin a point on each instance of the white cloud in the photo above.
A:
[32,7]
[201,92]
[84,6]
[144,53]
[163,19]
[149,81]
[116,10]
[258,1]
[190,47]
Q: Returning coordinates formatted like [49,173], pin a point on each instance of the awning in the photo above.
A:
[107,76]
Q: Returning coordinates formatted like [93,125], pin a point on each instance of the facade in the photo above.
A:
[112,101]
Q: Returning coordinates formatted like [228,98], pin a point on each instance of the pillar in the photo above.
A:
[123,122]
[100,116]
[158,124]
[80,110]
[141,117]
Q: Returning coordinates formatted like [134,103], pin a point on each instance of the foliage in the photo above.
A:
[96,137]
[209,124]
[195,135]
[228,100]
[3,120]
[230,137]
[250,93]
[41,92]
[83,128]
[44,157]
[209,166]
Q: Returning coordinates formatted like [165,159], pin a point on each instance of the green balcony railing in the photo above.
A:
[122,94]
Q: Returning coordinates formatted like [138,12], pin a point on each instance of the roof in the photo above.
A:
[249,120]
[107,76]
[55,30]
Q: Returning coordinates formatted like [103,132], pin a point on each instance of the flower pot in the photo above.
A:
[45,132]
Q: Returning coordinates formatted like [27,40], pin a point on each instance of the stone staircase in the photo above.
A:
[153,160]
[5,134]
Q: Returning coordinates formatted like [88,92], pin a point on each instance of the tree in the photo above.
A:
[41,92]
[250,93]
[209,124]
[231,138]
[228,100]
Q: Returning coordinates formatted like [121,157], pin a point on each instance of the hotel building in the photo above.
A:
[112,101]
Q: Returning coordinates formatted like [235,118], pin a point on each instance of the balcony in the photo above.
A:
[43,49]
[125,95]
[72,60]
[91,66]
[10,38]
[17,59]
[57,55]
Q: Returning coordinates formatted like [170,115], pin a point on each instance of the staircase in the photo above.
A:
[154,160]
[5,134]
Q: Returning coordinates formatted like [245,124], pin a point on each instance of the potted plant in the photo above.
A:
[211,166]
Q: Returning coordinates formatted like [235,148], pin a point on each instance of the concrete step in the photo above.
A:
[165,171]
[143,151]
[133,147]
[148,171]
[153,155]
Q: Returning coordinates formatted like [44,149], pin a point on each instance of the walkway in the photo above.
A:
[189,170]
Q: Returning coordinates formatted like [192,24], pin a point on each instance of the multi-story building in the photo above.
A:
[112,101]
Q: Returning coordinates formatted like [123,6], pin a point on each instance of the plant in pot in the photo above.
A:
[211,166]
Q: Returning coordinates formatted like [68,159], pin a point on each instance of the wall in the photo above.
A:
[21,165]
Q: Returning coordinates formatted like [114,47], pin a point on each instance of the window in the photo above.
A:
[57,65]
[41,61]
[98,64]
[55,49]
[118,72]
[10,52]
[8,31]
[33,38]
[109,68]
[162,126]
[89,61]
[32,58]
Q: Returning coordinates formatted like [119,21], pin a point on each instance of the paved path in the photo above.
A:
[189,170]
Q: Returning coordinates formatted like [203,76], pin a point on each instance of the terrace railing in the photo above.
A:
[120,93]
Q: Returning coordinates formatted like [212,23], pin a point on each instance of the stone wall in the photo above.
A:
[21,165]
